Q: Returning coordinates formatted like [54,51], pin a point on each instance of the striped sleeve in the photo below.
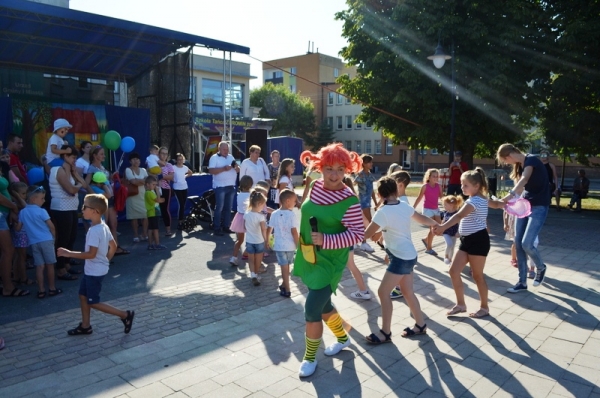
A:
[354,233]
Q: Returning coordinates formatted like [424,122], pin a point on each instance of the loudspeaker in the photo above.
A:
[257,137]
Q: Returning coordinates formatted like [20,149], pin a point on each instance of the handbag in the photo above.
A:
[132,189]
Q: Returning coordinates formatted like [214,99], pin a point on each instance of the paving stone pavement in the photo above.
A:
[222,336]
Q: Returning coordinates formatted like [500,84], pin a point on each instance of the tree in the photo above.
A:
[294,114]
[389,42]
[324,136]
[570,93]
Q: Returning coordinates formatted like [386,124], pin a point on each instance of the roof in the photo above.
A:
[69,42]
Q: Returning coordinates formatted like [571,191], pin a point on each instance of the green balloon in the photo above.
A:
[112,140]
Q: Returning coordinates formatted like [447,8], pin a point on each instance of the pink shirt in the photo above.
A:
[166,170]
[432,195]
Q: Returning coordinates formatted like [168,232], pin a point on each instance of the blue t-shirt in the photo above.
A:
[34,220]
[537,189]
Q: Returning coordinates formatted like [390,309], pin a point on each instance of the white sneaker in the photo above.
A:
[360,295]
[337,347]
[233,261]
[307,368]
[357,247]
[366,247]
[447,261]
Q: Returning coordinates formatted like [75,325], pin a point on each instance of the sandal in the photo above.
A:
[480,314]
[17,293]
[283,292]
[374,339]
[408,332]
[27,282]
[128,321]
[66,277]
[121,252]
[80,330]
[41,295]
[170,233]
[54,292]
[514,263]
[136,240]
[457,309]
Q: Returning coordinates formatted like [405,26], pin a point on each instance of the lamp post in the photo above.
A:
[439,59]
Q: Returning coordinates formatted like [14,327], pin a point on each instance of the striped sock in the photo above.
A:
[312,345]
[335,324]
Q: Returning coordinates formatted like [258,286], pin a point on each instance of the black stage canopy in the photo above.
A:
[61,41]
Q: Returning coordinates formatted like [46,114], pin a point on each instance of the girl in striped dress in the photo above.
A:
[474,239]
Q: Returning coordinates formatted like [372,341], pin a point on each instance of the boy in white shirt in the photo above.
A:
[55,143]
[153,162]
[99,249]
[284,223]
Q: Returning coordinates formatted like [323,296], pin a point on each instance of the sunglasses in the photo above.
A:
[87,207]
[35,191]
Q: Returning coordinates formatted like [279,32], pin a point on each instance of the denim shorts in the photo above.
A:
[3,223]
[399,266]
[365,202]
[431,212]
[43,253]
[90,288]
[285,258]
[255,248]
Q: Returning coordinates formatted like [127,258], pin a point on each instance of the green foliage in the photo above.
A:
[389,42]
[324,136]
[294,114]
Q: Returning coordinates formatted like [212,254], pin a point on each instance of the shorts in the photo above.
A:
[431,212]
[365,202]
[90,288]
[3,223]
[255,248]
[399,266]
[318,302]
[19,239]
[285,258]
[153,222]
[476,244]
[43,253]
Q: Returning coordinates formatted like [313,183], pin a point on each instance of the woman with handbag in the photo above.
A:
[135,208]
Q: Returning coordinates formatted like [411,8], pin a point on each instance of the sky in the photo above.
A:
[272,29]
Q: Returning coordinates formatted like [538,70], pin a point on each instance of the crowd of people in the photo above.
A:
[316,233]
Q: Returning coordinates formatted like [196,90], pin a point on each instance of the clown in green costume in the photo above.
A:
[322,255]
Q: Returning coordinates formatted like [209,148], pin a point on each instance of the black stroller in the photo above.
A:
[203,210]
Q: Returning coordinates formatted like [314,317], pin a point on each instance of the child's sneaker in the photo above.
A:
[160,247]
[395,293]
[366,247]
[531,274]
[361,295]
[255,281]
[233,261]
[151,247]
[447,261]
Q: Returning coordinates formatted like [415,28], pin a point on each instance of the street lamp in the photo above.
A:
[439,59]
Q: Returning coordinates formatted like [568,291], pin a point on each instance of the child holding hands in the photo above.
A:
[100,247]
[451,205]
[432,192]
[237,225]
[283,223]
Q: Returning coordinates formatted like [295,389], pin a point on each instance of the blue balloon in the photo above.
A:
[127,144]
[35,175]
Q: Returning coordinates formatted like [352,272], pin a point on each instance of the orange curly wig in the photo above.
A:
[332,154]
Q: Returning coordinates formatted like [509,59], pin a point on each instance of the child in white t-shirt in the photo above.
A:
[284,223]
[153,162]
[256,232]
[55,143]
[99,249]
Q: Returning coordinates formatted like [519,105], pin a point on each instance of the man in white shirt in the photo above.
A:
[224,170]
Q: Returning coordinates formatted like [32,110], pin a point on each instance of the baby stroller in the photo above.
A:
[203,209]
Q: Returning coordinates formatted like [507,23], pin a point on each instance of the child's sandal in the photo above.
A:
[80,330]
[54,292]
[41,295]
[408,332]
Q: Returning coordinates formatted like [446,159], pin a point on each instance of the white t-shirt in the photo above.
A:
[394,221]
[282,222]
[283,180]
[82,164]
[257,171]
[54,140]
[98,236]
[242,202]
[224,178]
[252,222]
[152,161]
[179,174]
[476,220]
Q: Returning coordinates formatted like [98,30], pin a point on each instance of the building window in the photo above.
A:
[212,97]
[277,74]
[293,88]
[348,122]
[388,147]
[330,98]
[330,122]
[340,100]
[434,151]
[339,122]
[358,124]
[348,100]
[293,70]
[336,72]
[377,147]
[349,145]
[422,151]
[368,125]
[358,146]
[368,146]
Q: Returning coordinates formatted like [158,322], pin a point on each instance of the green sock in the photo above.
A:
[312,345]
[335,324]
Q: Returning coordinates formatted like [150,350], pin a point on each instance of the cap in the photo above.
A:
[60,123]
[458,153]
[99,177]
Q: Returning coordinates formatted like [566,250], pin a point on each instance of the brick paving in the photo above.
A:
[222,336]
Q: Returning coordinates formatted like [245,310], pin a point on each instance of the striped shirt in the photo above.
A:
[476,220]
[166,170]
[352,220]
